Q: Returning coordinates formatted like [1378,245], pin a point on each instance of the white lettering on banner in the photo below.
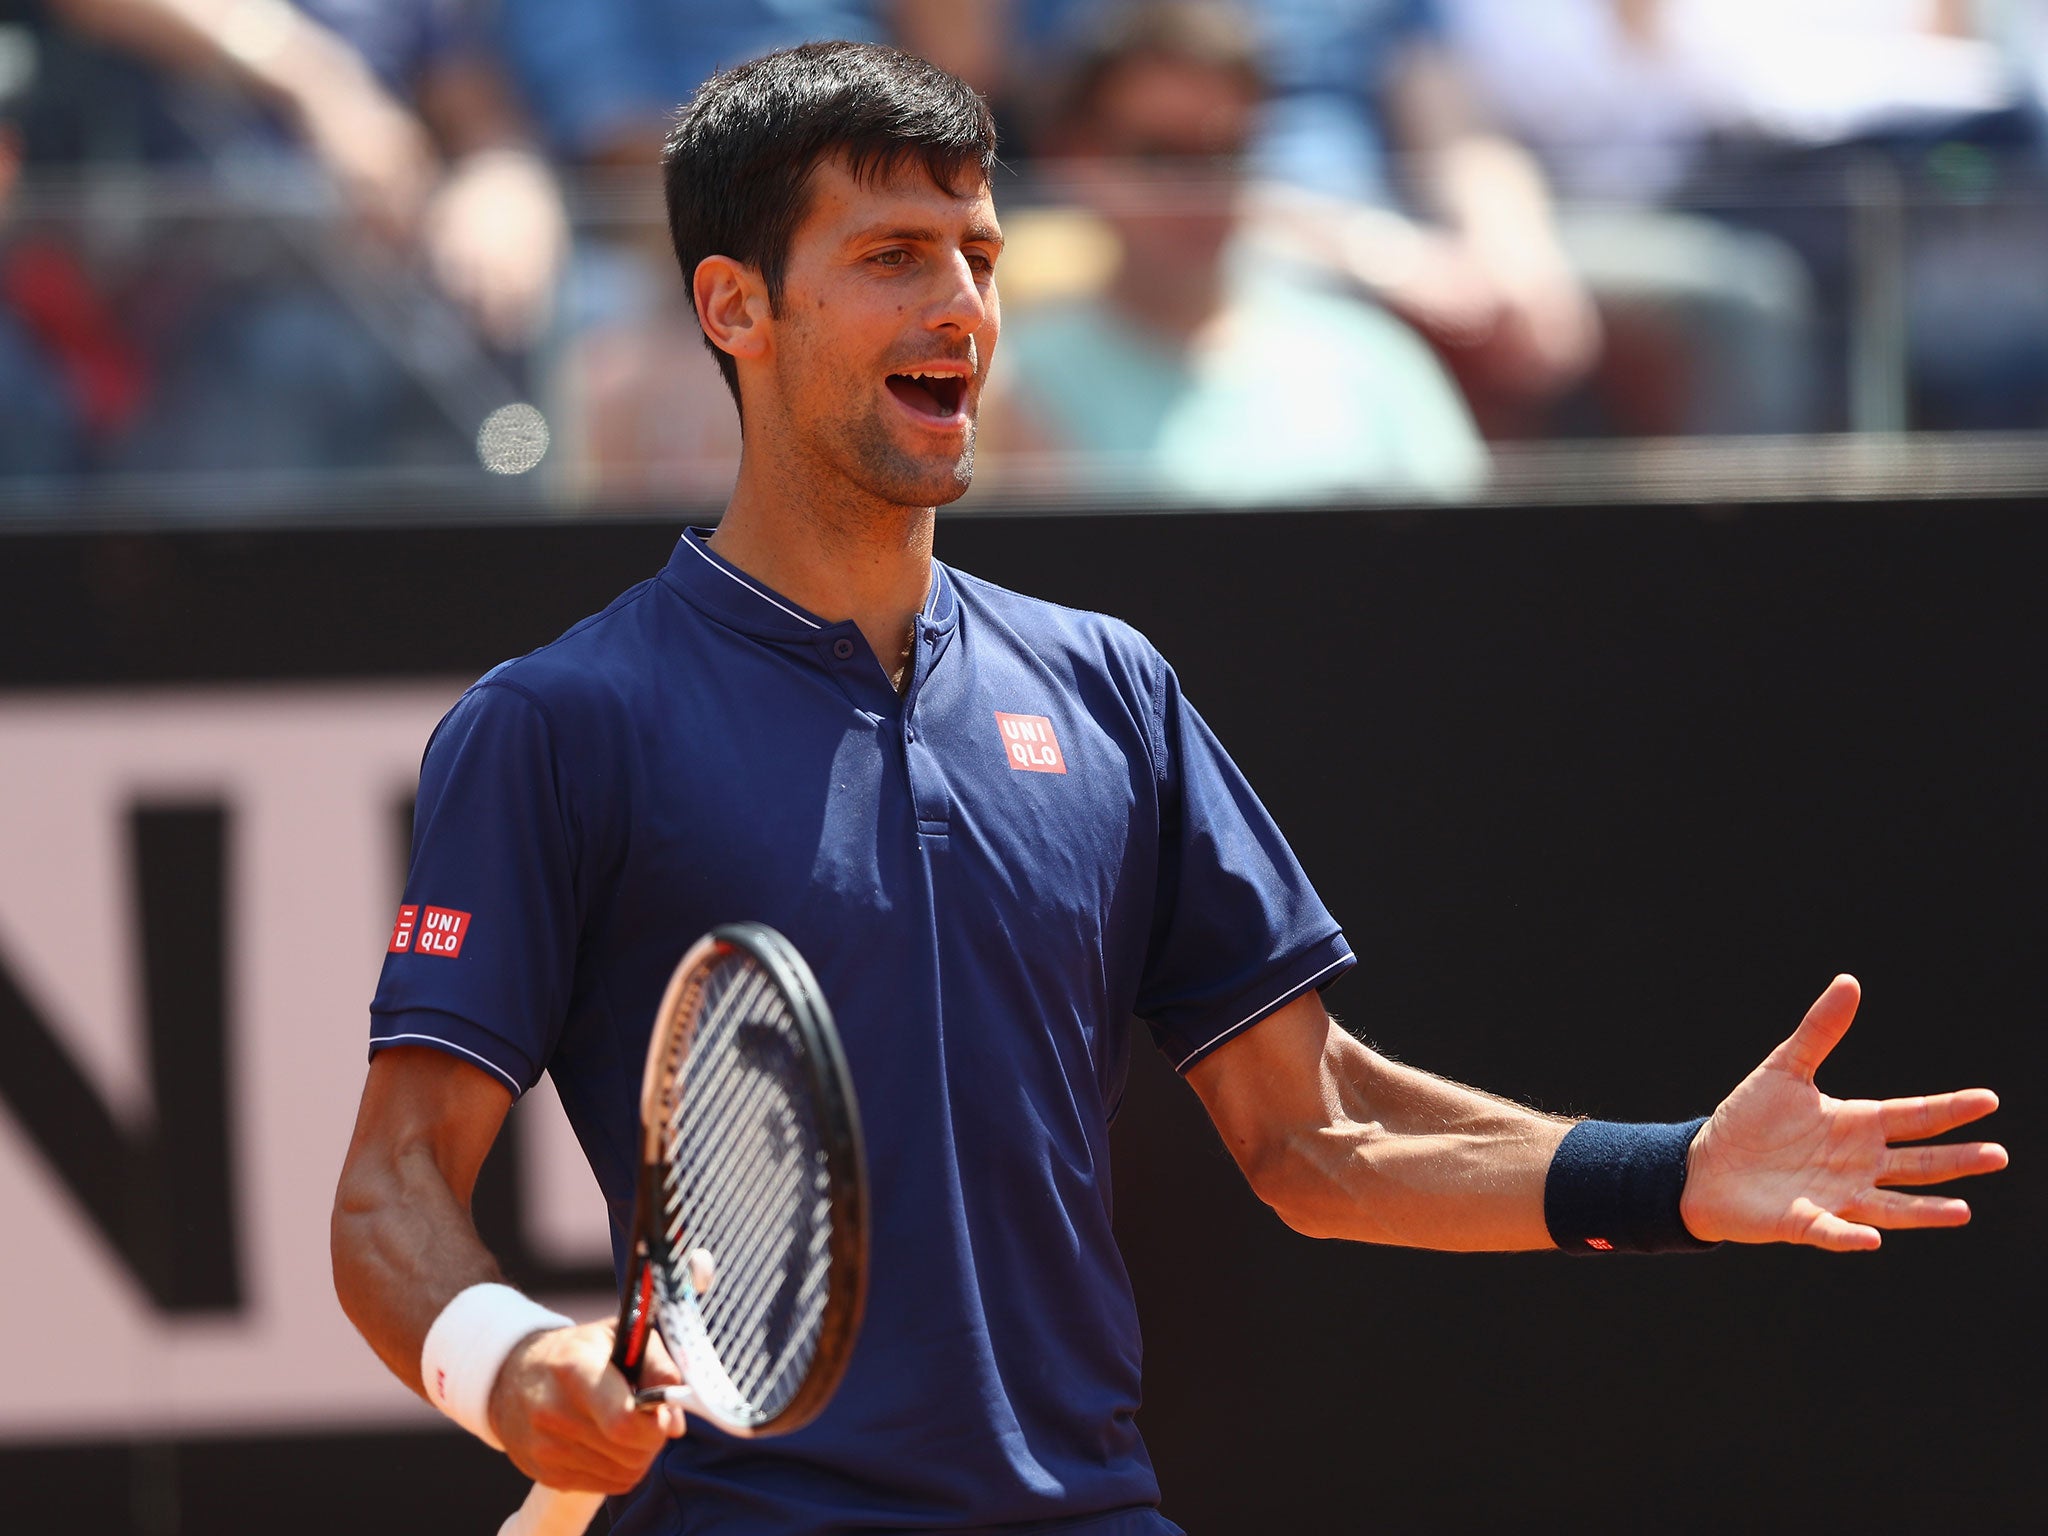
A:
[310,780]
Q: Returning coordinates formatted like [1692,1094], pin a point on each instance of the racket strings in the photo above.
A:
[686,1118]
[757,1319]
[757,1299]
[748,1182]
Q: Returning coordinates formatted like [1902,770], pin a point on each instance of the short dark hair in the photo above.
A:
[737,164]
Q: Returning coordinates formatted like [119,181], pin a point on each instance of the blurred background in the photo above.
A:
[341,255]
[1589,458]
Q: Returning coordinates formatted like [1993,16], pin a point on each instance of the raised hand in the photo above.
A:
[1781,1162]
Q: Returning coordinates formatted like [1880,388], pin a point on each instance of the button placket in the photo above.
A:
[927,786]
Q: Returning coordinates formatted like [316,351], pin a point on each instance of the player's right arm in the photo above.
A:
[1343,1142]
[404,1246]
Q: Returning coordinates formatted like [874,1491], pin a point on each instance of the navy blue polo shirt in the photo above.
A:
[992,875]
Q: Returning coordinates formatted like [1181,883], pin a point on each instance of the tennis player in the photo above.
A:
[998,831]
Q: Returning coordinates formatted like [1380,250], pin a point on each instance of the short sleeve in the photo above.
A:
[481,958]
[1238,931]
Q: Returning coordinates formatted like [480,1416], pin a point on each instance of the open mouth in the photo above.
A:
[937,395]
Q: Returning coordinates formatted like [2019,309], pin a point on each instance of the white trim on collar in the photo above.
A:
[731,575]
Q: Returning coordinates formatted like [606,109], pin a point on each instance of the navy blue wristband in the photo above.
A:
[1614,1188]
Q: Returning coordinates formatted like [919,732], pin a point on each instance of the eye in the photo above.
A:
[982,262]
[892,259]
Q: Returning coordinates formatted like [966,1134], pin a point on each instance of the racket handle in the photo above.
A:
[551,1512]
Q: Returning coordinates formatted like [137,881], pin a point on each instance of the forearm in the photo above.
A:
[519,1377]
[1477,181]
[1414,1160]
[404,1245]
[402,1239]
[1492,192]
[268,47]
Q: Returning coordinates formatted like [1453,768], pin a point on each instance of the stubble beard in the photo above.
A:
[861,448]
[878,463]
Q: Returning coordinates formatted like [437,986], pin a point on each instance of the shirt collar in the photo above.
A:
[730,595]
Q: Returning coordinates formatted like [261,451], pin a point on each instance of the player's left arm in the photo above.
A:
[1343,1142]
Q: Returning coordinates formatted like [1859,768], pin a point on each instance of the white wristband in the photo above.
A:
[467,1346]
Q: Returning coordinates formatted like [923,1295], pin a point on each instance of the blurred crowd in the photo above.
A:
[1273,250]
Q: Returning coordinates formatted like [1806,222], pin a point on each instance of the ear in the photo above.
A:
[732,306]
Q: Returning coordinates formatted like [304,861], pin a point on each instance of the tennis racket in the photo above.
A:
[750,1224]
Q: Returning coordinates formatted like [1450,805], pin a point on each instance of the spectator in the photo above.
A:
[640,405]
[1889,134]
[402,107]
[403,112]
[1201,371]
[40,427]
[1368,116]
[603,77]
[1710,328]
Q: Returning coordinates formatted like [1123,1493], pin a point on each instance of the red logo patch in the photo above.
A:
[1601,1243]
[1029,744]
[442,932]
[401,931]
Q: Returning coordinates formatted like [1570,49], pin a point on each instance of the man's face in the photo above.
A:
[886,327]
[1162,157]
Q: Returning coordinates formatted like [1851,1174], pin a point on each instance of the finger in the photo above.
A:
[586,1447]
[1820,1031]
[601,1415]
[1936,1165]
[630,1431]
[1882,1208]
[1824,1229]
[659,1368]
[574,1468]
[634,1446]
[616,1465]
[703,1270]
[1936,1114]
[670,1407]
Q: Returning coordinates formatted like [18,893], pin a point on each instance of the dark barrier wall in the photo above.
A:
[1603,799]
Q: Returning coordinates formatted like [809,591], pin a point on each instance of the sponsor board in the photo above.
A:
[196,891]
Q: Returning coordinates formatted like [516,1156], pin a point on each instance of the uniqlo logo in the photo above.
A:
[401,931]
[1601,1243]
[1029,743]
[441,932]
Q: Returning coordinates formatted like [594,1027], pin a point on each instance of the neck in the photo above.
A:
[844,556]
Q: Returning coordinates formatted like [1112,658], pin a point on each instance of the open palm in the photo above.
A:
[1780,1161]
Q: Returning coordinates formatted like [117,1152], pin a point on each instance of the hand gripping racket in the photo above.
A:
[751,1159]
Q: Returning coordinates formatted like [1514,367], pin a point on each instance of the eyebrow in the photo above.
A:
[976,233]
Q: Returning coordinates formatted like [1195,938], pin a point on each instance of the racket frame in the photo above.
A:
[831,1089]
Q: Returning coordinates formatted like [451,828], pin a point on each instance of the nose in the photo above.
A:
[960,303]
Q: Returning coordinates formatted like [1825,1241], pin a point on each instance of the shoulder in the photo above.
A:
[576,685]
[1079,641]
[591,659]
